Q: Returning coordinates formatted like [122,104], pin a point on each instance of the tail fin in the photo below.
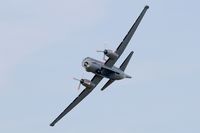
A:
[126,61]
[122,67]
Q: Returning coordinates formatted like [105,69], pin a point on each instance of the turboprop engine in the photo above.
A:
[85,82]
[109,53]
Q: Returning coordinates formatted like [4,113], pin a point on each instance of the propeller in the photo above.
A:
[104,53]
[80,82]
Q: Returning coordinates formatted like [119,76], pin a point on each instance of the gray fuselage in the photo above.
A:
[98,67]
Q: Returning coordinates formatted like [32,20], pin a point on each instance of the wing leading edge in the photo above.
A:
[96,79]
[127,38]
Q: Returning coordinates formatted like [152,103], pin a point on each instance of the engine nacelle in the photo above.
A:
[110,54]
[87,83]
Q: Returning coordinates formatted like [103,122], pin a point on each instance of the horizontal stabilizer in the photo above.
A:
[126,61]
[107,84]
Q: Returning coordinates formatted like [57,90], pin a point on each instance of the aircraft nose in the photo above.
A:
[86,64]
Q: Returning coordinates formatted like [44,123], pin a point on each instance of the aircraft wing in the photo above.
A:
[96,79]
[124,43]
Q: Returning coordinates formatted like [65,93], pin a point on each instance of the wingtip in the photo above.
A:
[102,89]
[51,124]
[146,7]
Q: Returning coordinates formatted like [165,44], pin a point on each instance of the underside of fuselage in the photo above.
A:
[98,68]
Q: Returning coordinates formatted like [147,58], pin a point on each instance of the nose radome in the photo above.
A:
[86,64]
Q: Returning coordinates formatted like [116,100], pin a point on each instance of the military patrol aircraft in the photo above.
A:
[104,70]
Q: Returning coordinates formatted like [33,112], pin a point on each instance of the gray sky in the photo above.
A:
[43,43]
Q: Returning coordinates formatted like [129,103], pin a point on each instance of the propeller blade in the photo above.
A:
[104,57]
[99,51]
[79,86]
[76,79]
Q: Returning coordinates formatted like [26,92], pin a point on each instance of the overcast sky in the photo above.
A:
[42,44]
